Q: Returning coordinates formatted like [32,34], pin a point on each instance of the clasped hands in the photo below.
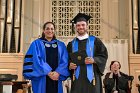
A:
[54,75]
[88,60]
[116,72]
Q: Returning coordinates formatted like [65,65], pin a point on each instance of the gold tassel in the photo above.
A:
[74,75]
[94,81]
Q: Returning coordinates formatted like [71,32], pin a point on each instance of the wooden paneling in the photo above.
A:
[11,64]
[135,70]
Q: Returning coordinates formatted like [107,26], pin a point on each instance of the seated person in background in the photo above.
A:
[139,88]
[138,85]
[116,81]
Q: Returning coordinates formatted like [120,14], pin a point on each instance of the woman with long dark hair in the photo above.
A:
[46,62]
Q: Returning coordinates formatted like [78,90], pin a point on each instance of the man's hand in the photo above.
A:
[72,66]
[89,60]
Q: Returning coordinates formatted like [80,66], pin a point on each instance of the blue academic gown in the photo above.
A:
[36,68]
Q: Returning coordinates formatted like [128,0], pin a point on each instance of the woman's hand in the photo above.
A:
[50,74]
[54,75]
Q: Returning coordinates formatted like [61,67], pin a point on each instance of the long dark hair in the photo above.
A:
[44,26]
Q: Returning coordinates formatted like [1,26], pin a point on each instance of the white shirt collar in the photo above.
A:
[83,37]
